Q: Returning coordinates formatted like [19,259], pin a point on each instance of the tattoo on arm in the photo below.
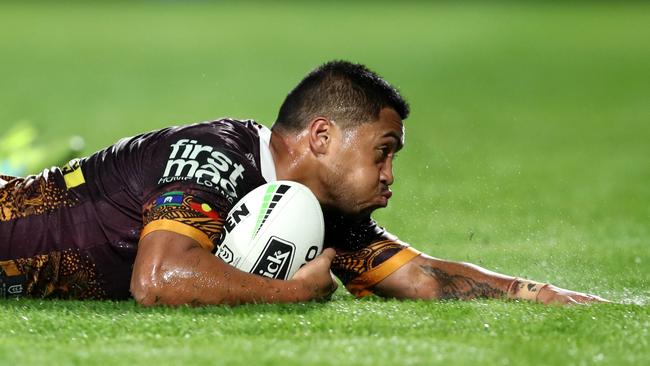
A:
[454,286]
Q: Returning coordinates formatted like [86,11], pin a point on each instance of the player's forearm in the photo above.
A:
[453,280]
[171,269]
[430,278]
[456,280]
[426,277]
[199,278]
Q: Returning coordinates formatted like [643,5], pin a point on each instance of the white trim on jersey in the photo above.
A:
[266,159]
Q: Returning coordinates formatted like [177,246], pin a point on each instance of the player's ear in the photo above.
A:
[320,135]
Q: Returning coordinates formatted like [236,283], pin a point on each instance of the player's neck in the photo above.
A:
[293,160]
[287,157]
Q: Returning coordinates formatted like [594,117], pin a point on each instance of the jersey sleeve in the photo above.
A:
[365,254]
[187,213]
[195,177]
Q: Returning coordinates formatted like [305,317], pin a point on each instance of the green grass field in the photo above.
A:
[528,152]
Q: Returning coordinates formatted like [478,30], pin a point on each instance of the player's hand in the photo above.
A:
[555,295]
[315,276]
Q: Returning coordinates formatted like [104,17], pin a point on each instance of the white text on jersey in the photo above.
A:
[205,165]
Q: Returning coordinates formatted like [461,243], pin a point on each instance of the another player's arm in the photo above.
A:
[425,277]
[173,269]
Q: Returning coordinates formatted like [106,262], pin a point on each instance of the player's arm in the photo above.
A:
[173,269]
[425,277]
[390,268]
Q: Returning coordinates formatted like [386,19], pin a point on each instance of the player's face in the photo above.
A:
[361,161]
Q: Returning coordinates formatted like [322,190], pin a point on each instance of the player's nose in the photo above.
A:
[386,173]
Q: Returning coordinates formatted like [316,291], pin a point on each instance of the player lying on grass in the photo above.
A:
[104,227]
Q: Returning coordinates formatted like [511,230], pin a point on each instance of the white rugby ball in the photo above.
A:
[274,230]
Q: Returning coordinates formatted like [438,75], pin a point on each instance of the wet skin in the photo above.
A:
[349,169]
[359,170]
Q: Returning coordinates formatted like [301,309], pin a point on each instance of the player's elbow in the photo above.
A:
[425,290]
[410,292]
[420,289]
[151,286]
[409,282]
[164,288]
[158,276]
[147,290]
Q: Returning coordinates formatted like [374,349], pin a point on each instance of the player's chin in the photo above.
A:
[363,209]
[371,207]
[379,202]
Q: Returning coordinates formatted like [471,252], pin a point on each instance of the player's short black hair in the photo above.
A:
[343,91]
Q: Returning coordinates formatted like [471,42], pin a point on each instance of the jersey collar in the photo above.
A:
[266,159]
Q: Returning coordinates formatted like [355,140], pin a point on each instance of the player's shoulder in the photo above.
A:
[219,127]
[234,135]
[220,156]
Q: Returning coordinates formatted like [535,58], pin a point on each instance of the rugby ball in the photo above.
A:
[274,230]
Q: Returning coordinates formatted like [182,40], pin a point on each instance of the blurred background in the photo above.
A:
[528,147]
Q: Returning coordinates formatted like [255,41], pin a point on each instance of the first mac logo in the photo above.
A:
[208,167]
[276,259]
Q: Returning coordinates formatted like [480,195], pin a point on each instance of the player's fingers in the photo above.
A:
[328,254]
[569,301]
[592,299]
[597,298]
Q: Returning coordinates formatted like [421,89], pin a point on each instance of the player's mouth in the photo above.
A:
[384,196]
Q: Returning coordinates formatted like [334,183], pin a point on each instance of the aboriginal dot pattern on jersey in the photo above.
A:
[33,195]
[184,213]
[347,265]
[66,274]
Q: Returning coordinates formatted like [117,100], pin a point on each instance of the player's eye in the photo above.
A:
[383,152]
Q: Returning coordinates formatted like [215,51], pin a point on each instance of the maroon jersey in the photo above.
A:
[73,232]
